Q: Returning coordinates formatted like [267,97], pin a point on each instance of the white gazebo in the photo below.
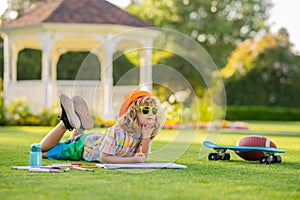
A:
[58,26]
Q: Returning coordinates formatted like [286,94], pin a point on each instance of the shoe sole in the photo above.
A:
[67,103]
[82,110]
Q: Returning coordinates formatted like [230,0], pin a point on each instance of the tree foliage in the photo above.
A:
[187,70]
[17,8]
[1,58]
[217,25]
[257,72]
[264,72]
[29,65]
[70,63]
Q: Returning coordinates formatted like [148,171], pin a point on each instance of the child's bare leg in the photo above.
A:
[77,132]
[74,133]
[53,137]
[69,120]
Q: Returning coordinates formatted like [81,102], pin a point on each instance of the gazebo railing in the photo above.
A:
[34,93]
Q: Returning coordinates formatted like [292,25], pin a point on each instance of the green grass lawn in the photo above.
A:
[203,179]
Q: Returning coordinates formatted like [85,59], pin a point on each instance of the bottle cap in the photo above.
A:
[36,147]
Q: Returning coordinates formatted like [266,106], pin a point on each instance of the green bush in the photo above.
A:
[49,116]
[2,115]
[262,113]
[17,112]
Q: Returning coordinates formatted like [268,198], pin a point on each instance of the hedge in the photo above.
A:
[262,113]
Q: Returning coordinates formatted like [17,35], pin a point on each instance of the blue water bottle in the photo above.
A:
[35,155]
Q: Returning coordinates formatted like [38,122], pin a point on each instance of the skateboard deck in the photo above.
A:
[243,148]
[223,155]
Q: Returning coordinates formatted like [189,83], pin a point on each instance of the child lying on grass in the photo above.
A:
[138,123]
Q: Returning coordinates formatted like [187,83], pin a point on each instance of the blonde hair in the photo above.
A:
[129,120]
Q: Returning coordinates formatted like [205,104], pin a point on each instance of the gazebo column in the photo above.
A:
[7,62]
[107,80]
[146,69]
[46,48]
[14,60]
[54,58]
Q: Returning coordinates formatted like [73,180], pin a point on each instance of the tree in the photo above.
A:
[264,72]
[217,25]
[241,59]
[1,58]
[16,8]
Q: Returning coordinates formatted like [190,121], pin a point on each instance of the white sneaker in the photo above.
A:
[82,110]
[69,117]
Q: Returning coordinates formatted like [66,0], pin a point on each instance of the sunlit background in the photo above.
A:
[284,14]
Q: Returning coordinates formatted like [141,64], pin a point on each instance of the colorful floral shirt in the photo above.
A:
[115,141]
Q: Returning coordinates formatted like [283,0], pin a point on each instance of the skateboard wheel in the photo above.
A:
[265,160]
[276,159]
[225,156]
[213,156]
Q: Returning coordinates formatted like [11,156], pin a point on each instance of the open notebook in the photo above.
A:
[142,165]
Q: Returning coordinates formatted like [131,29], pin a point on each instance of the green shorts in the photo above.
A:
[68,150]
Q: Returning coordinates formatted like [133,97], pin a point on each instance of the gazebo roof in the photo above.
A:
[76,11]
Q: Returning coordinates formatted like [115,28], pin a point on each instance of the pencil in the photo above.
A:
[67,169]
[141,149]
[83,169]
[44,170]
[89,166]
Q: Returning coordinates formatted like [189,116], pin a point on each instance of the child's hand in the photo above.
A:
[140,158]
[147,130]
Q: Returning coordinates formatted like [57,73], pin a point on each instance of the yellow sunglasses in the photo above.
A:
[145,110]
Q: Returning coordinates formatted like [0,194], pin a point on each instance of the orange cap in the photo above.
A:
[130,98]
